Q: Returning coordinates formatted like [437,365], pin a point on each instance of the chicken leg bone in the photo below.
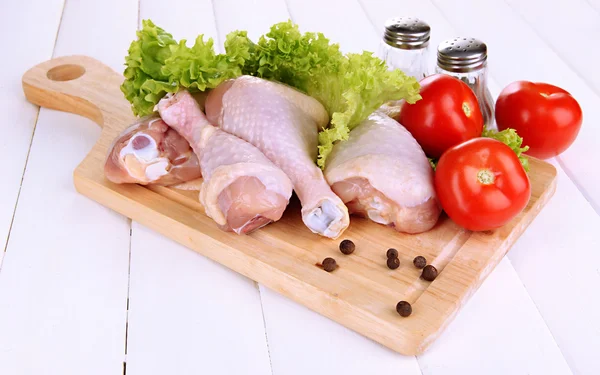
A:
[150,152]
[283,123]
[242,190]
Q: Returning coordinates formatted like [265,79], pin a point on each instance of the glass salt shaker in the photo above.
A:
[405,46]
[466,59]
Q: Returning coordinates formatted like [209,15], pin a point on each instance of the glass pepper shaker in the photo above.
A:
[466,59]
[405,46]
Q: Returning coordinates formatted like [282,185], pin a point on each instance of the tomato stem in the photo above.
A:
[485,177]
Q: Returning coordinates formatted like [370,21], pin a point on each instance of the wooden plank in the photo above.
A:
[558,259]
[521,342]
[98,30]
[514,325]
[63,285]
[581,21]
[559,236]
[571,55]
[290,325]
[190,315]
[254,16]
[304,342]
[549,240]
[36,29]
[212,312]
[498,332]
[326,345]
[349,27]
[519,53]
[594,4]
[378,11]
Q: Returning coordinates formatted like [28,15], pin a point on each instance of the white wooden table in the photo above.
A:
[84,290]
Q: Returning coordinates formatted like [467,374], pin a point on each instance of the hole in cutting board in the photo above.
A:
[65,72]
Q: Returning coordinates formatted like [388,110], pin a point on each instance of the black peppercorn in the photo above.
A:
[404,308]
[429,273]
[393,263]
[420,262]
[347,247]
[392,253]
[329,264]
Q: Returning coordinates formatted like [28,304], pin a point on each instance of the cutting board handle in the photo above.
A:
[76,84]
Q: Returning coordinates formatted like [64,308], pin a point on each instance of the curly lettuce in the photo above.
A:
[144,82]
[350,86]
[507,136]
[157,64]
[510,138]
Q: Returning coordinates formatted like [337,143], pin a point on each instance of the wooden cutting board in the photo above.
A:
[361,294]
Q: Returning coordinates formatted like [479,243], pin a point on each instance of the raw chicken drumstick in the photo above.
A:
[283,123]
[381,172]
[149,152]
[242,190]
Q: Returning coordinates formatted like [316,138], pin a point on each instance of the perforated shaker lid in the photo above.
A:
[462,55]
[406,33]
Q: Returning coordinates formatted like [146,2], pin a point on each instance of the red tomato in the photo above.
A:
[447,115]
[547,117]
[481,184]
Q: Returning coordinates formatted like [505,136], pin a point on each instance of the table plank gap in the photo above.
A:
[582,188]
[575,328]
[502,304]
[538,258]
[188,314]
[37,114]
[594,4]
[432,361]
[376,27]
[531,254]
[262,310]
[138,26]
[288,324]
[583,25]
[63,289]
[515,54]
[562,237]
[14,105]
[14,211]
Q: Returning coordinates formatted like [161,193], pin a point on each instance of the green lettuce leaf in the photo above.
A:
[144,82]
[366,85]
[199,68]
[510,138]
[349,86]
[157,65]
[433,163]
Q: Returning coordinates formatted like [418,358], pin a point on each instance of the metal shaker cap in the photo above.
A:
[462,55]
[406,33]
